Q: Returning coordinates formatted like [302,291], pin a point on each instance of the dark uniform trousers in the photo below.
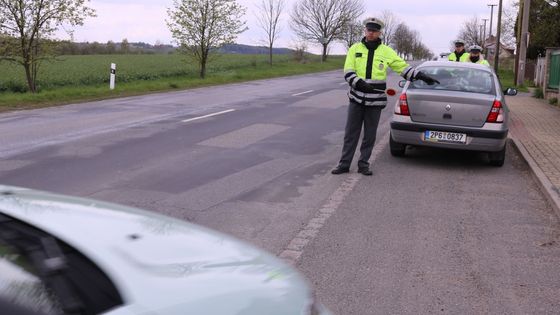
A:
[359,115]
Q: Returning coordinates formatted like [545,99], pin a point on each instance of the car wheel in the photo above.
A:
[497,158]
[397,149]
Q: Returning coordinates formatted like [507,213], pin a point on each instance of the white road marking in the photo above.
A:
[294,250]
[209,115]
[302,93]
[343,83]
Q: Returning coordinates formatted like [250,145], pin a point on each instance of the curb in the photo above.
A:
[544,184]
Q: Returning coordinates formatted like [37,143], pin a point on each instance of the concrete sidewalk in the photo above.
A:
[535,130]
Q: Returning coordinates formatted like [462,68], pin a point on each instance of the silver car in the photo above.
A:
[65,255]
[466,110]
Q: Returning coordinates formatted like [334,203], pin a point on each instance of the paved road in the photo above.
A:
[435,232]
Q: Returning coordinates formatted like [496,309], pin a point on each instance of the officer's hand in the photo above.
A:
[426,78]
[365,87]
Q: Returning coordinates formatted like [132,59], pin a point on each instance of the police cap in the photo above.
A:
[459,42]
[475,48]
[373,24]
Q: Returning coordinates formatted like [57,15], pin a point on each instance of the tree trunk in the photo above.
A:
[324,56]
[270,54]
[29,77]
[203,66]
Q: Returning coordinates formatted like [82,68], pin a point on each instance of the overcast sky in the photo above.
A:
[144,20]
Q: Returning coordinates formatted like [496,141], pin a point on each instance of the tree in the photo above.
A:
[96,48]
[544,23]
[470,32]
[420,51]
[125,46]
[351,33]
[268,21]
[32,23]
[111,47]
[199,26]
[323,20]
[66,47]
[403,40]
[391,22]
[509,19]
[408,43]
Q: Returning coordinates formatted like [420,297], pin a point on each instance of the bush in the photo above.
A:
[538,93]
[14,87]
[553,101]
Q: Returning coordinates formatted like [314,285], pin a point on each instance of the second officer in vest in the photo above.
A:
[365,71]
[459,54]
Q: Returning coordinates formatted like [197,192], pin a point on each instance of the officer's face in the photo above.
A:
[475,53]
[372,35]
[459,48]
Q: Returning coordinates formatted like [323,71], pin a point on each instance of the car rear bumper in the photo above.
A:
[478,139]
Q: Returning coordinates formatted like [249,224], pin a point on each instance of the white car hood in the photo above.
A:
[162,265]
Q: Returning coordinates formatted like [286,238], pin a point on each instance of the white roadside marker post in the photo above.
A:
[112,79]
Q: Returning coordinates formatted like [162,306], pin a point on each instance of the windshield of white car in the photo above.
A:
[20,285]
[66,278]
[457,79]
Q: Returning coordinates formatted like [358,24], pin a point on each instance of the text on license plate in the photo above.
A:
[443,136]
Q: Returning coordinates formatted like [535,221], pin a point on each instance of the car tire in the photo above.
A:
[497,158]
[397,149]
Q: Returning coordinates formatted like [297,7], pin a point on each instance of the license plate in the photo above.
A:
[443,136]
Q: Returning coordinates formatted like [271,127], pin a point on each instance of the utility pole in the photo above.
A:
[491,16]
[524,42]
[484,39]
[498,33]
[518,41]
[484,33]
[481,36]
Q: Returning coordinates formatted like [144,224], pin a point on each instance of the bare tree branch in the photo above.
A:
[268,20]
[323,20]
[470,32]
[391,22]
[351,33]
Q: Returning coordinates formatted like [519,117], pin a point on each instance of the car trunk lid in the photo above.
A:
[449,108]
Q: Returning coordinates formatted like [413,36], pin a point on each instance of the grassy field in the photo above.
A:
[80,78]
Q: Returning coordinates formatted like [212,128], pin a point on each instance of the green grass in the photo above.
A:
[506,79]
[82,78]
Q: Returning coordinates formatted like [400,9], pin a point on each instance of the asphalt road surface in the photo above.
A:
[434,232]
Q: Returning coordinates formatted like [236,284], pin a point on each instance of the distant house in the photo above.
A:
[490,45]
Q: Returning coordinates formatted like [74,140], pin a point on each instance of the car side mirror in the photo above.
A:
[402,83]
[510,92]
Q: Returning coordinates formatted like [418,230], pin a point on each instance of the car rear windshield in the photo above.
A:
[457,79]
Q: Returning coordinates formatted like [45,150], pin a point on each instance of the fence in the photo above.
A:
[540,71]
[554,76]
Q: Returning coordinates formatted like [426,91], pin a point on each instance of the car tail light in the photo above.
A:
[496,114]
[402,106]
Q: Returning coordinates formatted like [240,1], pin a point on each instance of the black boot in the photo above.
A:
[365,171]
[339,170]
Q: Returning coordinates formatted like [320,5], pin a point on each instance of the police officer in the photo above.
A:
[365,70]
[476,57]
[459,54]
